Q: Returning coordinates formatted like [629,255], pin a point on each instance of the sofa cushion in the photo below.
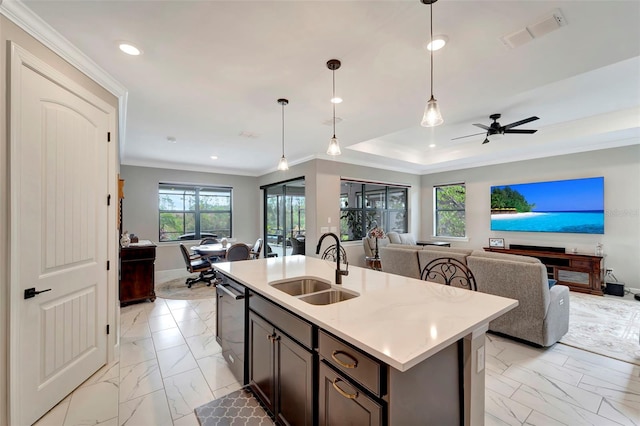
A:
[505,256]
[408,239]
[400,261]
[394,237]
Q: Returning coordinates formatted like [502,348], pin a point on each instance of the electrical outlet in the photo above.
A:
[324,229]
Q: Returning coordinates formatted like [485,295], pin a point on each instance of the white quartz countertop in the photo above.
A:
[399,320]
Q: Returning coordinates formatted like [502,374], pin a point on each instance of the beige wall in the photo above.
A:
[140,206]
[621,170]
[10,32]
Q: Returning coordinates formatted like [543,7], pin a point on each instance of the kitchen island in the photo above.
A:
[402,352]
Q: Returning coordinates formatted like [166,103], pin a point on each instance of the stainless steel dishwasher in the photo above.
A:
[231,317]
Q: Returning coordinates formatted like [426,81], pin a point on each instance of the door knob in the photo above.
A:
[31,292]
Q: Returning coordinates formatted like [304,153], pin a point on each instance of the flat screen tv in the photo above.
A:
[573,206]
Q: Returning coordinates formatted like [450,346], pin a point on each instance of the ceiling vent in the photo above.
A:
[544,26]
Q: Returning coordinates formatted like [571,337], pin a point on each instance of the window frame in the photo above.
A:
[364,213]
[437,210]
[196,211]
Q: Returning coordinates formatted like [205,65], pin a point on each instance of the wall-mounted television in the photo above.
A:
[573,206]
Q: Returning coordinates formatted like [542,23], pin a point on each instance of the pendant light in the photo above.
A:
[432,116]
[283,165]
[334,146]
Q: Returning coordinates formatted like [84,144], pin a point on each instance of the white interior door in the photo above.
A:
[59,184]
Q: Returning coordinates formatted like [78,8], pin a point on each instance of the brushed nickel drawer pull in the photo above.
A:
[343,364]
[341,392]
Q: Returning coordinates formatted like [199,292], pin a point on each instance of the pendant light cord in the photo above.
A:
[431,42]
[333,73]
[283,129]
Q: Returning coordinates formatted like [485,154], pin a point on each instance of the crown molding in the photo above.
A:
[17,12]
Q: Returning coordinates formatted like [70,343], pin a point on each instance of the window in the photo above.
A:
[449,211]
[363,205]
[193,212]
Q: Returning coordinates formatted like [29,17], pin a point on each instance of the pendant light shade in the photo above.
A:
[283,165]
[334,146]
[432,116]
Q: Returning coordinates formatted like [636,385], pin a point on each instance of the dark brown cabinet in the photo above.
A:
[280,369]
[137,274]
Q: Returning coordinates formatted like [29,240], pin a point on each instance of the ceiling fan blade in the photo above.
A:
[486,140]
[522,131]
[521,122]
[482,126]
[468,136]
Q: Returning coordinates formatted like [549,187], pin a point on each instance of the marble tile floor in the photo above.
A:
[170,364]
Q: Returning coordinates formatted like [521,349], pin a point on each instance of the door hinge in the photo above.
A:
[108,136]
[107,328]
[109,199]
[108,265]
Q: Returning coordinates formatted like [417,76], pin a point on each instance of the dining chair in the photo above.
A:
[257,248]
[330,253]
[449,271]
[238,251]
[210,240]
[197,264]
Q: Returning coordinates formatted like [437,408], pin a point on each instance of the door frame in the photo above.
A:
[19,58]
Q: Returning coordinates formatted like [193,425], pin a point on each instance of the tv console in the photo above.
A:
[579,272]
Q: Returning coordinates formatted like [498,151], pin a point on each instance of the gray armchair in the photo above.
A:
[542,315]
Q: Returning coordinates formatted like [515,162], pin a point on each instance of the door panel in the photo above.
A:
[261,362]
[295,379]
[59,182]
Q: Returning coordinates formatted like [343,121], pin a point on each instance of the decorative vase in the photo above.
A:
[224,242]
[125,240]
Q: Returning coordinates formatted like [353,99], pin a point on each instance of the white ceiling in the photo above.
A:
[212,71]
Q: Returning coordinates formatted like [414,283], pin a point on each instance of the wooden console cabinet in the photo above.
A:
[579,272]
[137,275]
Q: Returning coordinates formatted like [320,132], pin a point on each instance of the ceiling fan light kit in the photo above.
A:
[334,146]
[282,164]
[432,115]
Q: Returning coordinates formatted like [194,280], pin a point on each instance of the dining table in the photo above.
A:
[210,250]
[213,250]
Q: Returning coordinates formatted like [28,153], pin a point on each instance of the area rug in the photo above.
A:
[237,408]
[608,326]
[177,289]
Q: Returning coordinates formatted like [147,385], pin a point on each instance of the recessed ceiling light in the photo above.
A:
[171,139]
[129,49]
[433,145]
[214,157]
[336,100]
[438,42]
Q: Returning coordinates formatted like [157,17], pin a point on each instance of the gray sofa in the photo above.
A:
[409,260]
[542,315]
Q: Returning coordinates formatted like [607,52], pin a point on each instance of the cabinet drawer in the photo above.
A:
[295,327]
[356,364]
[137,253]
[581,264]
[341,403]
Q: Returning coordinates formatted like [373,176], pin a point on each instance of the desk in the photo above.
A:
[433,243]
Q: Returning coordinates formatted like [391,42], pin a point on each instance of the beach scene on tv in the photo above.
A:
[572,206]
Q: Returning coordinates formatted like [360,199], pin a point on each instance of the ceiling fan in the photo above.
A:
[495,129]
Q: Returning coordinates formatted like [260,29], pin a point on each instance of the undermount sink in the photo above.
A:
[313,291]
[301,286]
[328,297]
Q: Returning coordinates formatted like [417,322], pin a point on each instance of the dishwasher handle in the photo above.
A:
[228,289]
